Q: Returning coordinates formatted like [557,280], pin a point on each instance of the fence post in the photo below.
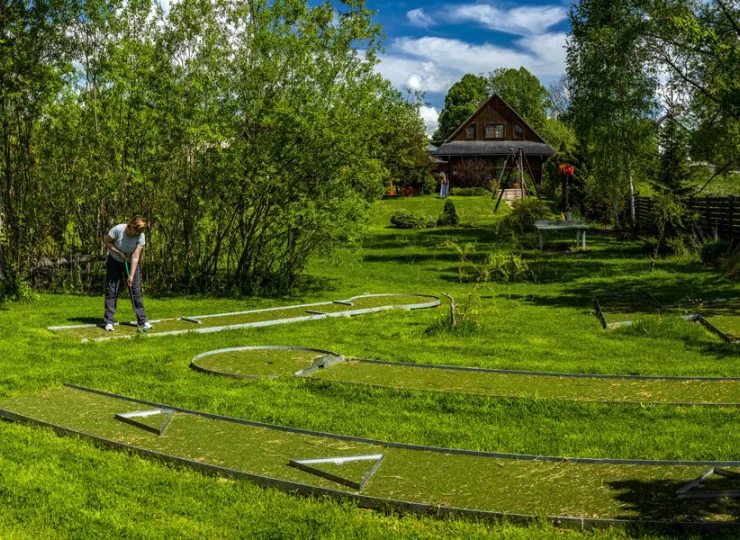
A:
[731,218]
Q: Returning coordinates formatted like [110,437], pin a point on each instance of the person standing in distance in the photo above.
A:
[125,243]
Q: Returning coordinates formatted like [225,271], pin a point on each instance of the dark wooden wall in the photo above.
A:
[496,112]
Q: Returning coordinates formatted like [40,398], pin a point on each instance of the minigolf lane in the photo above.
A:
[217,322]
[256,361]
[571,491]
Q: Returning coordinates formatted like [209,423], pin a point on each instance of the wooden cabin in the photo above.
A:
[490,134]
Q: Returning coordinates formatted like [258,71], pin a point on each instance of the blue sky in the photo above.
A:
[431,44]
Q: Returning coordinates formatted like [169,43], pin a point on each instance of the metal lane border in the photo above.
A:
[331,358]
[336,358]
[434,302]
[405,446]
[365,501]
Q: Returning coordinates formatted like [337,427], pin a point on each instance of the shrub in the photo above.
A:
[409,220]
[526,212]
[448,216]
[508,267]
[713,250]
[470,192]
[429,185]
[730,265]
[472,173]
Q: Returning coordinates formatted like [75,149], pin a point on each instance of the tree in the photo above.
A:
[696,42]
[612,91]
[33,47]
[404,147]
[523,92]
[673,163]
[462,100]
[559,98]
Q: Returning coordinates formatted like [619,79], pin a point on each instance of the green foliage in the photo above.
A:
[730,265]
[713,250]
[671,218]
[430,185]
[508,267]
[467,318]
[552,183]
[557,132]
[673,170]
[246,168]
[470,192]
[523,92]
[525,212]
[462,100]
[449,216]
[409,220]
[612,91]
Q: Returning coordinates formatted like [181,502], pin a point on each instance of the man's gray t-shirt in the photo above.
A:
[126,244]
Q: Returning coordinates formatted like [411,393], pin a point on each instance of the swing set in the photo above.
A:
[515,161]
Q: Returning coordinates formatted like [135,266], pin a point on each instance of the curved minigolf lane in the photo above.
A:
[577,492]
[273,362]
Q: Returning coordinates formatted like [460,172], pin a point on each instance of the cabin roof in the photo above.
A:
[493,148]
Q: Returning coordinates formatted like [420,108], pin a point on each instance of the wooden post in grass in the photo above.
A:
[453,305]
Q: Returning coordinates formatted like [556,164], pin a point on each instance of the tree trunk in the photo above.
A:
[615,209]
[632,193]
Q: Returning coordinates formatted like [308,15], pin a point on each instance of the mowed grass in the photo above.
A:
[548,324]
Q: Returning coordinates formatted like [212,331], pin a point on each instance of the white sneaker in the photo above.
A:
[109,327]
[147,325]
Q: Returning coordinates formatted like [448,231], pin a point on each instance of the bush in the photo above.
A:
[429,185]
[713,250]
[730,265]
[409,220]
[526,212]
[508,267]
[470,192]
[448,216]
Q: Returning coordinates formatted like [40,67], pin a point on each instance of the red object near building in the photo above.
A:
[566,170]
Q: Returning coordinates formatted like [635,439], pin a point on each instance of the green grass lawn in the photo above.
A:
[64,487]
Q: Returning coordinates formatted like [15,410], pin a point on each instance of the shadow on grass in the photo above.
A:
[656,500]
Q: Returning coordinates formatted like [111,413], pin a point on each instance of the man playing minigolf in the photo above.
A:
[125,243]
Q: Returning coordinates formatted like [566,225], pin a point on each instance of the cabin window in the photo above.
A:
[494,131]
[518,131]
[471,132]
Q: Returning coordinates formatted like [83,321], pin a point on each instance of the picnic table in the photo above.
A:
[577,225]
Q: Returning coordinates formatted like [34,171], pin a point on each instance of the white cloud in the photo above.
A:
[419,17]
[523,21]
[432,64]
[430,116]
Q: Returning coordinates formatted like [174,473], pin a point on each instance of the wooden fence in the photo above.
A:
[716,215]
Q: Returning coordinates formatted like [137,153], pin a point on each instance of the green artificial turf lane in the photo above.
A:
[622,307]
[285,363]
[724,316]
[229,319]
[483,483]
[531,386]
[259,362]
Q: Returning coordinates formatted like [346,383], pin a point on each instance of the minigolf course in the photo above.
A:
[358,305]
[314,364]
[576,492]
[721,316]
